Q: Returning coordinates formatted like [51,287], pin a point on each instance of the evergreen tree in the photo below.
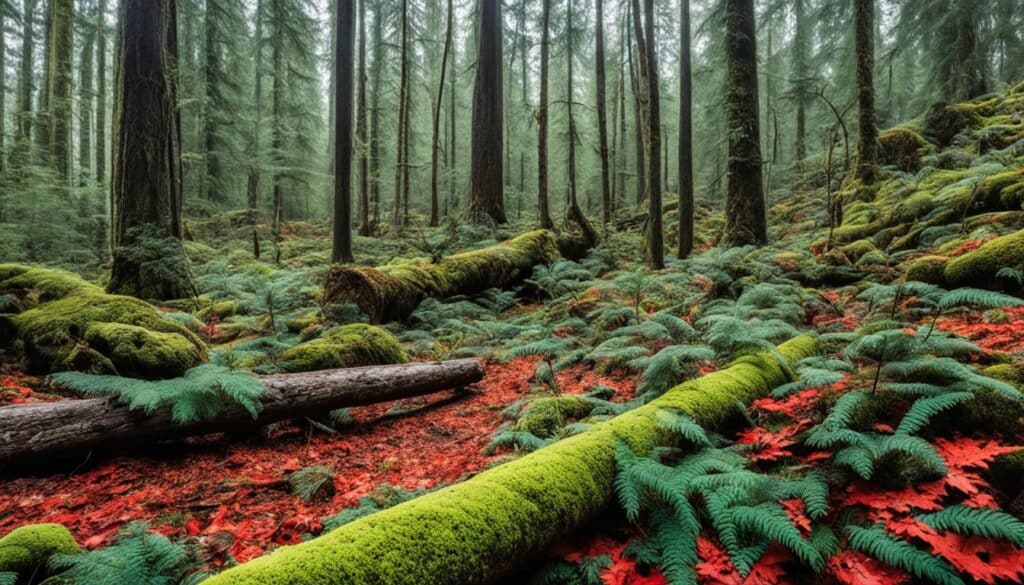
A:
[867,131]
[685,153]
[486,180]
[344,57]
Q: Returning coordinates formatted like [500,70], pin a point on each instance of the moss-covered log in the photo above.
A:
[980,268]
[394,291]
[38,433]
[480,529]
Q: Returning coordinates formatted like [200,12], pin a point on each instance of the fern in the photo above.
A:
[770,521]
[668,368]
[925,408]
[978,298]
[517,440]
[138,556]
[877,543]
[311,482]
[977,521]
[683,426]
[202,393]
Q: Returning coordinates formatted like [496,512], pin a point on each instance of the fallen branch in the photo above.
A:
[481,529]
[33,433]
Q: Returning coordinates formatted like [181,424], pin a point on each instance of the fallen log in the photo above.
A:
[391,292]
[31,433]
[477,531]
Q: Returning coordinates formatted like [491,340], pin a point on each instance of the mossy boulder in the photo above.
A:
[26,550]
[943,122]
[902,148]
[930,269]
[347,346]
[80,327]
[872,259]
[856,250]
[544,417]
[979,267]
[218,309]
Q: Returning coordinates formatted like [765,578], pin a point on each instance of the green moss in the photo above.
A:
[477,530]
[930,269]
[858,249]
[303,322]
[395,290]
[347,346]
[92,323]
[1012,197]
[26,550]
[220,309]
[979,267]
[874,258]
[545,416]
[47,283]
[902,148]
[943,122]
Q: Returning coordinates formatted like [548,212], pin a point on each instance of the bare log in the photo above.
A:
[33,433]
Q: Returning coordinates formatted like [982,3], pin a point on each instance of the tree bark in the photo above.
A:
[101,93]
[685,154]
[378,66]
[435,140]
[867,131]
[573,212]
[602,118]
[745,215]
[23,137]
[62,14]
[486,172]
[800,38]
[146,177]
[364,186]
[85,99]
[40,431]
[651,109]
[403,90]
[343,65]
[543,205]
[277,132]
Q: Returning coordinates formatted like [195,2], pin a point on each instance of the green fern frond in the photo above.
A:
[914,447]
[857,458]
[879,544]
[684,426]
[309,482]
[923,409]
[978,298]
[517,440]
[977,521]
[770,521]
[680,330]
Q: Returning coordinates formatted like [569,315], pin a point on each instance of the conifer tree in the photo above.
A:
[867,131]
[486,177]
[343,63]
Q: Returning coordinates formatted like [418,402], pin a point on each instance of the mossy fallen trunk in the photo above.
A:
[347,346]
[394,291]
[480,529]
[66,323]
[981,267]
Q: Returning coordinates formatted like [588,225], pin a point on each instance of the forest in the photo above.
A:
[543,292]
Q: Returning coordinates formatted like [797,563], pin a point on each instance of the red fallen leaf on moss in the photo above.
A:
[855,568]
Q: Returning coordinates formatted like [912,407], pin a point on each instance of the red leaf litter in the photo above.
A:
[1006,335]
[234,495]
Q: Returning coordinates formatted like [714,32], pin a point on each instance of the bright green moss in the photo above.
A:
[54,330]
[858,249]
[979,267]
[395,290]
[26,550]
[347,346]
[874,258]
[475,531]
[220,309]
[930,269]
[545,416]
[49,283]
[902,148]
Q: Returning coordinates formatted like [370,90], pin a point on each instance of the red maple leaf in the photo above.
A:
[855,568]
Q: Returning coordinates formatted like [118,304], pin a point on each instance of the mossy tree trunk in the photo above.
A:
[746,219]
[101,93]
[62,14]
[435,144]
[85,99]
[867,131]
[479,530]
[486,189]
[403,89]
[41,120]
[149,259]
[378,66]
[800,73]
[343,65]
[602,116]
[543,205]
[364,187]
[573,213]
[23,134]
[685,154]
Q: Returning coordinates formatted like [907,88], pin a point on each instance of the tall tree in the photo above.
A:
[650,107]
[685,153]
[62,14]
[602,116]
[25,86]
[573,212]
[867,131]
[101,92]
[220,40]
[364,200]
[542,120]
[85,99]
[343,63]
[801,39]
[277,113]
[149,259]
[435,146]
[486,172]
[378,67]
[3,93]
[745,214]
[401,163]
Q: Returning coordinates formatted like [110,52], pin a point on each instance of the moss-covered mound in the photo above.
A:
[393,291]
[930,269]
[902,148]
[477,530]
[70,324]
[348,346]
[26,550]
[981,267]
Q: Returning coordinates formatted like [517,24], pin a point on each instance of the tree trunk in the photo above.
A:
[435,140]
[638,130]
[378,66]
[343,61]
[486,180]
[277,131]
[3,101]
[651,109]
[62,14]
[101,93]
[574,213]
[745,216]
[41,121]
[867,131]
[800,38]
[403,90]
[41,431]
[85,95]
[146,177]
[542,120]
[214,181]
[23,137]
[602,118]
[453,143]
[364,186]
[685,154]
[256,153]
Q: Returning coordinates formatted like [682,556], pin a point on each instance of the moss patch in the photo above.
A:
[477,530]
[979,268]
[26,550]
[930,269]
[348,346]
[902,148]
